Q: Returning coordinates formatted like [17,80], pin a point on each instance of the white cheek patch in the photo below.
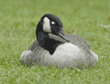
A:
[46,25]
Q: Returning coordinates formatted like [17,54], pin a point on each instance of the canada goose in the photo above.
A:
[53,47]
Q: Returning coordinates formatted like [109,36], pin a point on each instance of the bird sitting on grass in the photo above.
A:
[53,47]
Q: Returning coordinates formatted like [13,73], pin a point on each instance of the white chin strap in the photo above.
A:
[46,25]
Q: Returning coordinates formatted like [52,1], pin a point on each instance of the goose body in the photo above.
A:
[50,49]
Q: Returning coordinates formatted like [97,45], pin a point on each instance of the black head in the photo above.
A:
[52,24]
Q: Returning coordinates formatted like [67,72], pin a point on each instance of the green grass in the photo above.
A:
[18,20]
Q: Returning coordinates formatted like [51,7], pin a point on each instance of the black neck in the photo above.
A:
[45,41]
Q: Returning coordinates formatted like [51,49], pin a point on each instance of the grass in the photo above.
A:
[18,20]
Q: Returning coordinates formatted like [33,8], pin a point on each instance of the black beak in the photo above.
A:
[62,35]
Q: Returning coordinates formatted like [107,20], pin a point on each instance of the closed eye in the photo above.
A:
[53,22]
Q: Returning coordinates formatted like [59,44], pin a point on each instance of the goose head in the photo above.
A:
[50,23]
